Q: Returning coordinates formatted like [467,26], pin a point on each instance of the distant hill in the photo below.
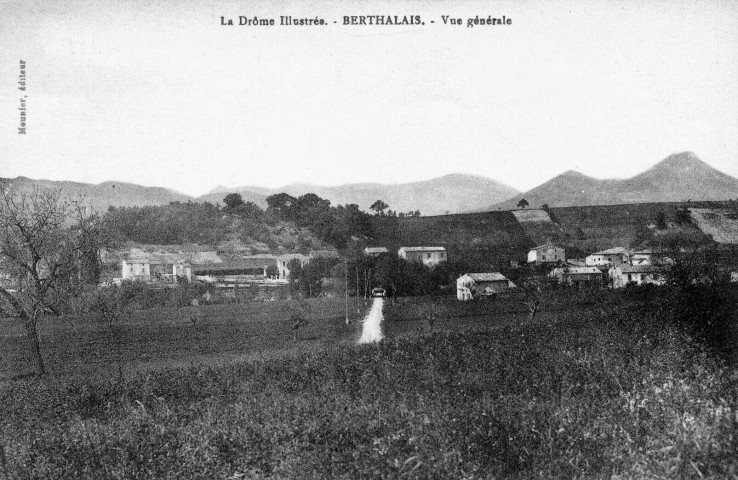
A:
[102,195]
[216,197]
[677,178]
[450,193]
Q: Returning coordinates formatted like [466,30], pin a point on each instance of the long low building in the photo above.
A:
[578,277]
[176,267]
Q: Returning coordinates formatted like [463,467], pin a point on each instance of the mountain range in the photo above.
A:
[679,177]
[102,195]
[450,193]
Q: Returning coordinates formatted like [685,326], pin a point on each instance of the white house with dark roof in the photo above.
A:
[610,257]
[480,285]
[428,256]
[546,254]
[622,275]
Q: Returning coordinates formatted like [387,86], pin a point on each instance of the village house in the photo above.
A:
[578,277]
[608,258]
[136,268]
[160,267]
[375,251]
[429,256]
[481,285]
[283,262]
[622,275]
[546,254]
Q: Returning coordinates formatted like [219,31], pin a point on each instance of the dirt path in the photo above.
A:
[372,330]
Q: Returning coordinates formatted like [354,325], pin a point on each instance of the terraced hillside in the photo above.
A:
[497,237]
[489,237]
[721,223]
[539,227]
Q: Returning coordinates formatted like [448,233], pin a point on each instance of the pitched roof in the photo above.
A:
[286,257]
[546,245]
[423,249]
[486,277]
[576,271]
[375,250]
[612,251]
[238,264]
[641,268]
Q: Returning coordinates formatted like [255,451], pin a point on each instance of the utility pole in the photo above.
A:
[345,268]
[358,300]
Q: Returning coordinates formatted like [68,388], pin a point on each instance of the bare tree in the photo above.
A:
[48,249]
[432,311]
[531,288]
[194,312]
[299,312]
[110,304]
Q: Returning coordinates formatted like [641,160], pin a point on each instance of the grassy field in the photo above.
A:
[165,337]
[601,385]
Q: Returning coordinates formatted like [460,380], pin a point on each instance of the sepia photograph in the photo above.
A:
[368,240]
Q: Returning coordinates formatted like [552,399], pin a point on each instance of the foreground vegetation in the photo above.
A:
[611,387]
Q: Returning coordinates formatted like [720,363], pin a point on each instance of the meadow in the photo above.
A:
[600,385]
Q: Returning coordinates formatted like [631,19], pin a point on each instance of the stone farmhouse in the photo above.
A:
[546,254]
[608,258]
[472,286]
[164,268]
[622,275]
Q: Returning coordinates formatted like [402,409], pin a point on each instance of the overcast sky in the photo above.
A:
[164,95]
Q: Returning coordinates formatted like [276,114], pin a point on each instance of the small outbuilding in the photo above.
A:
[481,285]
[375,251]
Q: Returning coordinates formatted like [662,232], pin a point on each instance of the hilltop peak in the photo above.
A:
[574,175]
[683,160]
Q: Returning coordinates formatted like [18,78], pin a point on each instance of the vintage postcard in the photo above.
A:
[412,239]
